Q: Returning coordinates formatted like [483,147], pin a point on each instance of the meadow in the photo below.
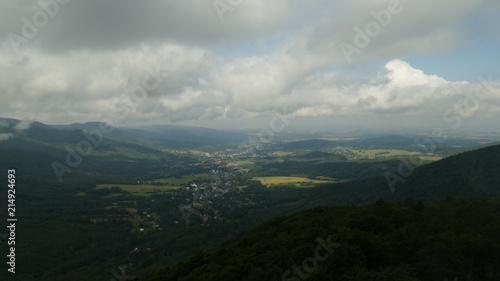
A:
[139,189]
[268,181]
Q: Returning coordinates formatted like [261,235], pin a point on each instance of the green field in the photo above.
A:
[139,189]
[246,163]
[373,153]
[174,181]
[268,181]
[243,165]
[383,153]
[430,158]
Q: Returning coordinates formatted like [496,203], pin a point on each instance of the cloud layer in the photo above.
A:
[178,61]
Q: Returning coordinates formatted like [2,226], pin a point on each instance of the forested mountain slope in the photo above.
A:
[382,241]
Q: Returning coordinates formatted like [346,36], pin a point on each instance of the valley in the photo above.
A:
[142,204]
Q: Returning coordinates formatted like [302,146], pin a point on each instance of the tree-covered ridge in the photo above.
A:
[381,241]
[472,174]
[469,174]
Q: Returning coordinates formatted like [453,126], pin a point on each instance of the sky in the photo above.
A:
[239,63]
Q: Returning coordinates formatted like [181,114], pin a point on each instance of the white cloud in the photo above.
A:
[399,88]
[401,74]
[6,136]
[22,125]
[88,85]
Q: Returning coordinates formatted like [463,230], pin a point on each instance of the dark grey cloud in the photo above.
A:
[115,24]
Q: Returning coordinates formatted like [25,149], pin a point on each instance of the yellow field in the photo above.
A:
[287,180]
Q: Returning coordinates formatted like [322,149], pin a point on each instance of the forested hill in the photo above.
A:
[472,174]
[469,174]
[383,241]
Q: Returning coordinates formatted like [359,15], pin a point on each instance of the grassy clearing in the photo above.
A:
[242,165]
[373,153]
[268,181]
[430,158]
[173,181]
[141,190]
[245,163]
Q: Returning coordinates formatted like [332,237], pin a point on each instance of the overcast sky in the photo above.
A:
[238,62]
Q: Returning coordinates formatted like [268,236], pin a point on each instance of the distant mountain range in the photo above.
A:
[39,149]
[156,136]
[166,136]
[34,147]
[49,143]
[397,140]
[310,144]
